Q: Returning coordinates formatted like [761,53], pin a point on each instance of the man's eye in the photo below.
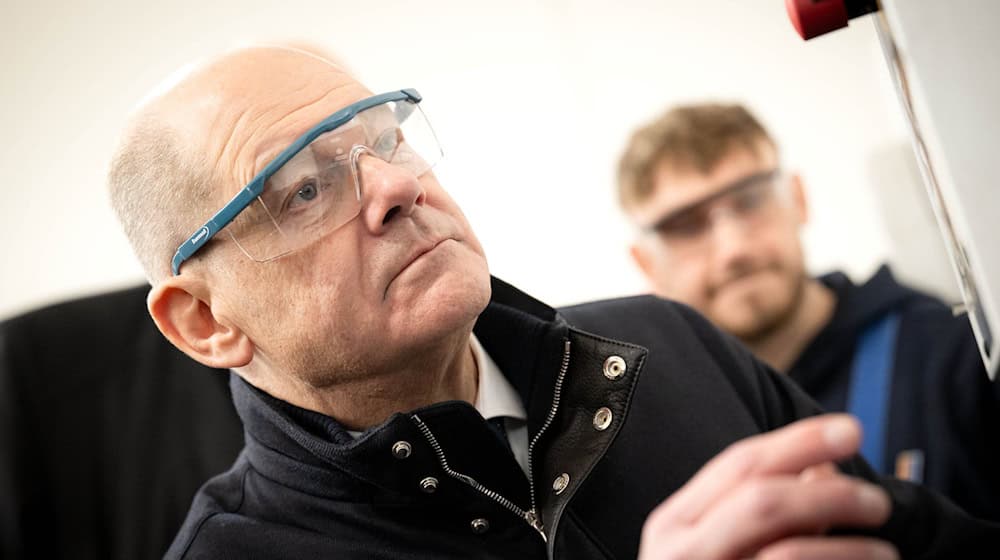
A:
[751,199]
[306,193]
[386,143]
[685,225]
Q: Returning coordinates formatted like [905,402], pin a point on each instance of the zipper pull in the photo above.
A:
[532,518]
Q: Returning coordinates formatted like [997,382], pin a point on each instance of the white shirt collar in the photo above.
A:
[496,396]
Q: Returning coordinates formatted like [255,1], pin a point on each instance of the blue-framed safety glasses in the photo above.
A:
[315,185]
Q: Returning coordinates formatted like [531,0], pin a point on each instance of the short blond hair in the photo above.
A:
[693,137]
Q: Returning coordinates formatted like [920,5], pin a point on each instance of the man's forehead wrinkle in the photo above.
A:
[240,110]
[295,121]
[214,143]
[249,125]
[252,131]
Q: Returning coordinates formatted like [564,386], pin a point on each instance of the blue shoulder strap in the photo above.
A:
[871,384]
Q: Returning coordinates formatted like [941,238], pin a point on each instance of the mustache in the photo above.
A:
[740,269]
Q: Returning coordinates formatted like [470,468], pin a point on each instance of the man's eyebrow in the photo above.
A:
[725,190]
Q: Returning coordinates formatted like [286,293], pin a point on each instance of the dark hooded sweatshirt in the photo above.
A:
[942,402]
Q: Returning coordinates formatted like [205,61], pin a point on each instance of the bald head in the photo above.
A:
[348,304]
[188,150]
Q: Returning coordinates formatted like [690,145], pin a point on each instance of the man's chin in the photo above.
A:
[753,307]
[745,330]
[750,322]
[450,300]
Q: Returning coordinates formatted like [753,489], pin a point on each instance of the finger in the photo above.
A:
[817,472]
[829,548]
[764,511]
[788,450]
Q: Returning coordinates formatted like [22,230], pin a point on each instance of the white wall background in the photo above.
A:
[532,102]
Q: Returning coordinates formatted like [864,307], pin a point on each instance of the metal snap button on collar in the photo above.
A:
[429,484]
[480,525]
[614,367]
[401,449]
[560,483]
[602,418]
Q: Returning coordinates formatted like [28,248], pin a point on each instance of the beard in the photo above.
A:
[753,302]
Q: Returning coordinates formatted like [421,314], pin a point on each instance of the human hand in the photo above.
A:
[773,496]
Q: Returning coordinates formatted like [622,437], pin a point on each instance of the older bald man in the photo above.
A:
[398,402]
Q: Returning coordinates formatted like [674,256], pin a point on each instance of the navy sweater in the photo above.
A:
[942,401]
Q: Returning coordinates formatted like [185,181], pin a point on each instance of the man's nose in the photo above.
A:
[390,192]
[729,234]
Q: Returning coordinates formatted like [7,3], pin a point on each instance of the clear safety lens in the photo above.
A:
[320,188]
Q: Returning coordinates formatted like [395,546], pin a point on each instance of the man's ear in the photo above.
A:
[182,310]
[798,196]
[640,254]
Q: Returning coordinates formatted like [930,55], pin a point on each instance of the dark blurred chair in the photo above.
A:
[106,431]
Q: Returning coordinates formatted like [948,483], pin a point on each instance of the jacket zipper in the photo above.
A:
[556,394]
[530,516]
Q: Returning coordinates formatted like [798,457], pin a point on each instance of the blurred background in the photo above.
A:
[532,101]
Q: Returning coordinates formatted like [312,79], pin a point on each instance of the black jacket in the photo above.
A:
[303,488]
[106,431]
[942,402]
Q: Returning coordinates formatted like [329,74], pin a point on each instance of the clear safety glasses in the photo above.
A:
[748,201]
[315,185]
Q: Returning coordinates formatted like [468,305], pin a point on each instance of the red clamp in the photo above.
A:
[812,18]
